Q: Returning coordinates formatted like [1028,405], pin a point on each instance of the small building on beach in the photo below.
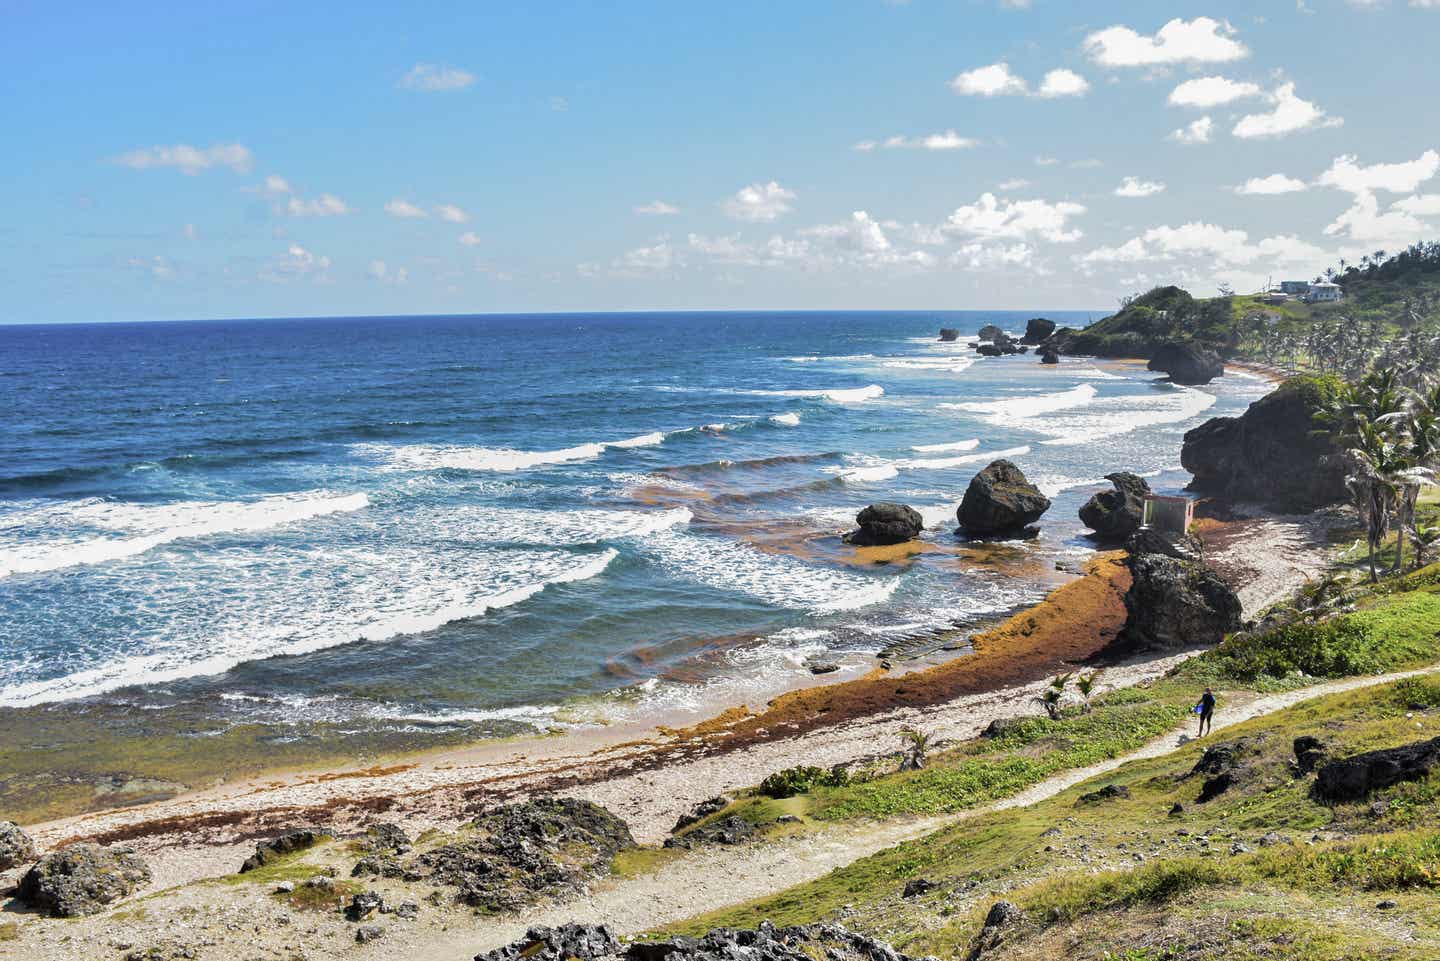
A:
[1171,516]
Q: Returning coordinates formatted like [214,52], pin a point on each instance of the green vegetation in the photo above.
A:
[801,780]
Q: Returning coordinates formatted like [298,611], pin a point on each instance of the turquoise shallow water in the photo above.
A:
[422,521]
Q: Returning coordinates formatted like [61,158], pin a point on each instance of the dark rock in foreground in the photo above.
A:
[1310,753]
[990,332]
[1049,355]
[1353,778]
[1187,363]
[520,852]
[730,830]
[886,524]
[16,848]
[949,333]
[82,879]
[1272,454]
[1000,500]
[267,852]
[1175,604]
[702,811]
[1110,792]
[1037,329]
[586,942]
[1116,514]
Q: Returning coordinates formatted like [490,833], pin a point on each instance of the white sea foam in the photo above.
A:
[644,440]
[1114,416]
[95,531]
[879,472]
[790,419]
[521,525]
[775,579]
[1020,408]
[417,457]
[953,365]
[312,599]
[846,395]
[941,463]
[943,448]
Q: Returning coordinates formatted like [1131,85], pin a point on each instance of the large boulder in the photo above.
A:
[989,350]
[1353,778]
[886,524]
[1037,329]
[949,333]
[1049,354]
[82,879]
[1116,514]
[16,848]
[1272,454]
[268,852]
[1187,363]
[990,332]
[1000,500]
[1174,604]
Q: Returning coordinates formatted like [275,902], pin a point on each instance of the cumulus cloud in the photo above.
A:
[1014,183]
[189,160]
[1135,187]
[998,80]
[275,186]
[436,77]
[1208,92]
[1201,40]
[1195,132]
[404,209]
[657,208]
[1063,83]
[1420,205]
[759,203]
[1199,240]
[470,239]
[326,205]
[1366,223]
[656,257]
[296,263]
[1347,174]
[1273,184]
[452,214]
[1288,114]
[946,140]
[991,218]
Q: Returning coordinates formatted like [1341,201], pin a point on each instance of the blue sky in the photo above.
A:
[329,159]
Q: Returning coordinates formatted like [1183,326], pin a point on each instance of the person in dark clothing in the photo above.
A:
[1206,710]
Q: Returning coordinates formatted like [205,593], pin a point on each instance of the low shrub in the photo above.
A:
[802,779]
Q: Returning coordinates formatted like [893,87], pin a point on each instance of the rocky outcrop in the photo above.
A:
[886,524]
[1003,918]
[1272,454]
[1115,515]
[949,333]
[1310,753]
[1354,778]
[520,852]
[385,838]
[1037,329]
[1049,354]
[989,350]
[1000,501]
[990,332]
[577,942]
[729,830]
[82,879]
[702,811]
[1150,541]
[268,852]
[16,848]
[1187,363]
[1110,792]
[1174,604]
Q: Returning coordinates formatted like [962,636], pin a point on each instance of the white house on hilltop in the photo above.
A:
[1325,292]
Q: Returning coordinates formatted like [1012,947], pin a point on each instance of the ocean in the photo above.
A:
[506,523]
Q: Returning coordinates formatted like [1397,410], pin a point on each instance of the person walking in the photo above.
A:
[1206,710]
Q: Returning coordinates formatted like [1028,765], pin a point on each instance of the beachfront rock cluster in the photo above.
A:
[1272,454]
[1000,501]
[588,942]
[268,852]
[1174,604]
[82,879]
[1186,362]
[991,341]
[1115,515]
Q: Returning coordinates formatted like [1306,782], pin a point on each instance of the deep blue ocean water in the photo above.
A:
[414,520]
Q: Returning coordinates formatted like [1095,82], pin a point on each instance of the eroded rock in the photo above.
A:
[1000,500]
[1115,515]
[1353,778]
[886,523]
[82,879]
[16,848]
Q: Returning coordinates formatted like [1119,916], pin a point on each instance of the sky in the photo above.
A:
[177,161]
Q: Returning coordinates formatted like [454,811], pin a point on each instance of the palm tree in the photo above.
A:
[1054,695]
[1085,684]
[1375,463]
[917,744]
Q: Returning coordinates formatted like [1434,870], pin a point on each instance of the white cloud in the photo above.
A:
[1207,242]
[1212,92]
[993,81]
[998,80]
[992,219]
[1046,161]
[189,160]
[326,205]
[296,263]
[1346,174]
[657,257]
[1273,184]
[404,209]
[1364,222]
[159,267]
[1135,187]
[657,208]
[1420,205]
[980,256]
[1063,83]
[470,239]
[1290,114]
[1201,40]
[431,76]
[379,270]
[759,203]
[276,186]
[1195,132]
[947,140]
[1014,183]
[452,214]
